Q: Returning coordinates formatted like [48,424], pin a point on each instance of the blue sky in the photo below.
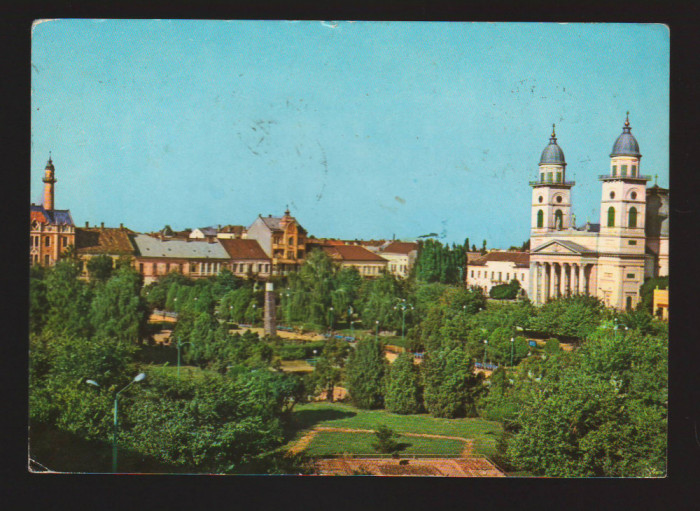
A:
[366,129]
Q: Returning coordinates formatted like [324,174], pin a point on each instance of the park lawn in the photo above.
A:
[329,442]
[341,415]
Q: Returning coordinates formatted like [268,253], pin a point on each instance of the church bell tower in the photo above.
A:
[49,180]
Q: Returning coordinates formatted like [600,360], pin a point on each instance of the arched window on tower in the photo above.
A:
[540,218]
[632,221]
[559,219]
[611,217]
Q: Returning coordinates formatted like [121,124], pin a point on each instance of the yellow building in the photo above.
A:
[660,307]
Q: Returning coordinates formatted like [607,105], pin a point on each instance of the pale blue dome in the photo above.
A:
[626,144]
[552,154]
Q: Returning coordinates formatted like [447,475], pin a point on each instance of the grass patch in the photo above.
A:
[186,372]
[327,442]
[341,415]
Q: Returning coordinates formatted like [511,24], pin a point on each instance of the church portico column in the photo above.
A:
[577,279]
[547,279]
[566,269]
[555,280]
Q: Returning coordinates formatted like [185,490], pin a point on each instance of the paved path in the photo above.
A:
[304,441]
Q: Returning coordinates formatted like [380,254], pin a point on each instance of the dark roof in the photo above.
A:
[274,223]
[401,247]
[243,249]
[626,144]
[107,240]
[50,216]
[521,259]
[552,154]
[351,253]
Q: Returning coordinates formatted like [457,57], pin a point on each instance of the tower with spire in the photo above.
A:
[49,181]
[51,230]
[609,260]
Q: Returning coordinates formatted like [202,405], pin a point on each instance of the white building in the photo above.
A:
[495,268]
[609,260]
[401,256]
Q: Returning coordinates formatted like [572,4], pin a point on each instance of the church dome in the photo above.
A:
[626,144]
[552,154]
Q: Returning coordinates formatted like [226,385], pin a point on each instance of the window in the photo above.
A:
[522,277]
[539,199]
[291,241]
[632,242]
[614,170]
[508,277]
[559,199]
[634,171]
[167,267]
[611,217]
[612,195]
[549,177]
[47,241]
[141,268]
[624,171]
[632,221]
[558,177]
[628,304]
[542,177]
[472,273]
[630,275]
[633,195]
[540,218]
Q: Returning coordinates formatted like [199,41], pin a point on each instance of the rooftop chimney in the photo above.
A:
[87,224]
[102,225]
[121,226]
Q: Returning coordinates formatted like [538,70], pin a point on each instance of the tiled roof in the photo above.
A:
[520,259]
[94,240]
[243,249]
[351,253]
[148,246]
[473,256]
[53,217]
[401,247]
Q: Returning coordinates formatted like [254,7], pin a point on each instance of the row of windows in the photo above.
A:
[401,267]
[558,218]
[204,268]
[369,270]
[631,217]
[623,171]
[34,241]
[500,275]
[34,259]
[550,177]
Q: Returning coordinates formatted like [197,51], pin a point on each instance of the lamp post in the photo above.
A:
[376,332]
[139,377]
[330,314]
[512,343]
[255,307]
[403,308]
[289,302]
[352,329]
[486,345]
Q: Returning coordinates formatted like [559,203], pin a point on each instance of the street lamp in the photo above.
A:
[330,313]
[376,333]
[403,308]
[486,345]
[289,303]
[512,343]
[352,329]
[139,377]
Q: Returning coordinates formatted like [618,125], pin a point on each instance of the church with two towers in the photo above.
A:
[609,260]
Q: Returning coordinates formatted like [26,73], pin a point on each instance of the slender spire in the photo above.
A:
[626,128]
[553,133]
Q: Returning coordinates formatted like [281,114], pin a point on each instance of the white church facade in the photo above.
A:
[609,260]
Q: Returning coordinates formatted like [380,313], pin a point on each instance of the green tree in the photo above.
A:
[328,371]
[100,268]
[68,300]
[575,316]
[646,291]
[600,411]
[365,372]
[404,394]
[386,440]
[378,301]
[448,381]
[118,310]
[38,303]
[505,291]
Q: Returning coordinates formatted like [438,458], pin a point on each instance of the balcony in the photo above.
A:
[552,183]
[610,177]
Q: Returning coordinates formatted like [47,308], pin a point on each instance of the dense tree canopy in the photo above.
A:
[365,372]
[440,263]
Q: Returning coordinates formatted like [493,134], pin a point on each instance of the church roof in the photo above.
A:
[574,247]
[50,216]
[552,154]
[626,144]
